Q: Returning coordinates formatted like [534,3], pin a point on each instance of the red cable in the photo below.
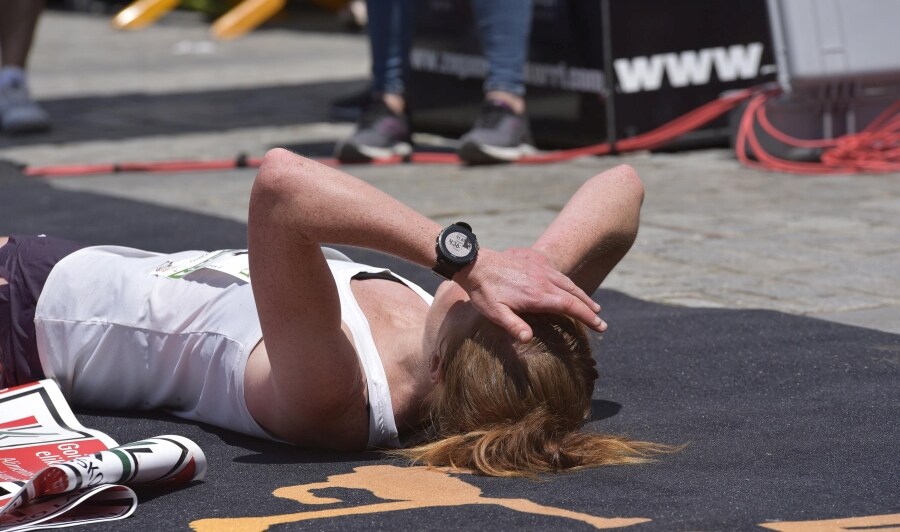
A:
[747,135]
[875,149]
[652,139]
[163,166]
[767,126]
[885,116]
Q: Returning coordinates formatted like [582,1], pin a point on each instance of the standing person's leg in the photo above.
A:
[383,130]
[501,132]
[504,27]
[18,20]
[390,38]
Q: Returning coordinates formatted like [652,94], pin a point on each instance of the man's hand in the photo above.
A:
[503,285]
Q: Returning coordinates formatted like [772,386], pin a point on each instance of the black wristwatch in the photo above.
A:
[456,248]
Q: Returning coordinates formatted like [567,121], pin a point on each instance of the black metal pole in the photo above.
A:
[609,75]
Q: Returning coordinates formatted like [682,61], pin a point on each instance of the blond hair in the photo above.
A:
[506,409]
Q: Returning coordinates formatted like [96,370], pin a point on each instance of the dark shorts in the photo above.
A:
[25,262]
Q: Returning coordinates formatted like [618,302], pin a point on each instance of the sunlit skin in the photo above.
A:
[304,383]
[450,310]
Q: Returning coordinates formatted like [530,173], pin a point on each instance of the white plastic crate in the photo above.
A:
[825,42]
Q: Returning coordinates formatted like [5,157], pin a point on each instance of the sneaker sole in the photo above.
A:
[352,153]
[25,127]
[474,153]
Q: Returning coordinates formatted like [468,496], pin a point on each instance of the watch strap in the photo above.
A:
[444,266]
[445,269]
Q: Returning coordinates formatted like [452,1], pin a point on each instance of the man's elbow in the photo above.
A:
[273,173]
[278,180]
[631,181]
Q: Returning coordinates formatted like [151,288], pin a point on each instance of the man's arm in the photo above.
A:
[310,388]
[596,228]
[317,204]
[302,203]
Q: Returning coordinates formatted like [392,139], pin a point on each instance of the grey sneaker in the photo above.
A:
[499,135]
[19,113]
[380,134]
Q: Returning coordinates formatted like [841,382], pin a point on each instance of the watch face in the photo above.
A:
[458,244]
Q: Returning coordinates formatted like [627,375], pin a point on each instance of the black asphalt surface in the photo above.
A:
[785,418]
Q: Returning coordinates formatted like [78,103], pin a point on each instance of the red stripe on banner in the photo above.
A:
[30,420]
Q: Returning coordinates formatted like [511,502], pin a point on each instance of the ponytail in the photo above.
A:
[504,413]
[532,445]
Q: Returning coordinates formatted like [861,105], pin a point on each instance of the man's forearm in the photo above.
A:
[596,228]
[317,204]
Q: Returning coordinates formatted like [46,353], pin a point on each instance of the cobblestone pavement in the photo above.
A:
[713,234]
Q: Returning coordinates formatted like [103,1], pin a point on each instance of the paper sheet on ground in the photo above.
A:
[55,472]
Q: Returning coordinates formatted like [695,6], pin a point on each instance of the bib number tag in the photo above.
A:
[233,262]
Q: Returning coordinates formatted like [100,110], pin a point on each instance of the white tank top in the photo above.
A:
[121,328]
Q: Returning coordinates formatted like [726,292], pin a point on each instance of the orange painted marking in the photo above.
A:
[402,488]
[873,523]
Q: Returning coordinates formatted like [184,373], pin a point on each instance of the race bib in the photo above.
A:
[233,262]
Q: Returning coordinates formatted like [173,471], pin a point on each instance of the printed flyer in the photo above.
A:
[55,472]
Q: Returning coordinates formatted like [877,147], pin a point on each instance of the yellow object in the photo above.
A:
[142,13]
[244,17]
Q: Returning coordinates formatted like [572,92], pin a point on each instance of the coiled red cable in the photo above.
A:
[876,149]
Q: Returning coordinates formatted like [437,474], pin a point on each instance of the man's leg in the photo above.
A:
[504,27]
[18,20]
[390,38]
[501,132]
[383,130]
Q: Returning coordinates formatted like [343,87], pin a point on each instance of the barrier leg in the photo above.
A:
[142,13]
[245,17]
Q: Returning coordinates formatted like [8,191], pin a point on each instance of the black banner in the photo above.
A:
[666,59]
